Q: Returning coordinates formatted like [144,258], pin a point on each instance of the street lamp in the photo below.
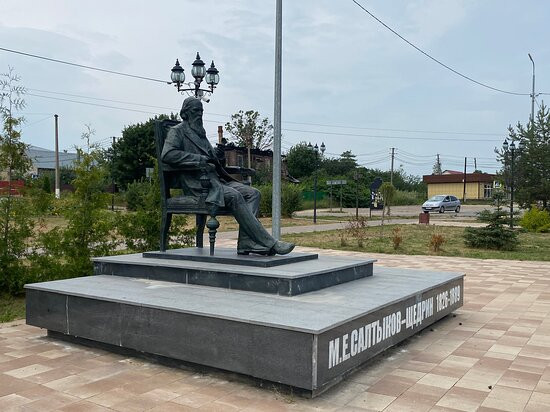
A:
[511,149]
[316,148]
[200,73]
[532,92]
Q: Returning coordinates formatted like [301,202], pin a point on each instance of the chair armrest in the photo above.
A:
[183,166]
[237,170]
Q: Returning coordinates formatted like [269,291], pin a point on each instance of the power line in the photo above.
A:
[395,130]
[434,59]
[83,66]
[92,104]
[289,122]
[388,137]
[37,121]
[102,99]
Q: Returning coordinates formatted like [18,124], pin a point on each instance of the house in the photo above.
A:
[451,182]
[43,160]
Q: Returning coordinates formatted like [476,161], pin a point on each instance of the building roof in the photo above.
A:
[459,178]
[45,158]
[452,172]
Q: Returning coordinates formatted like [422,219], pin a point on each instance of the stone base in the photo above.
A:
[302,273]
[308,341]
[230,257]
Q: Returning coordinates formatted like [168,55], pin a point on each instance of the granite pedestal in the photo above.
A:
[305,340]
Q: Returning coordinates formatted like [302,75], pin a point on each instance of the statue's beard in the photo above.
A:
[197,127]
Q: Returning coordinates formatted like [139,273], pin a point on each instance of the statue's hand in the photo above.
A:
[207,163]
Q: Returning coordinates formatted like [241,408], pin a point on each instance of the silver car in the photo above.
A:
[441,203]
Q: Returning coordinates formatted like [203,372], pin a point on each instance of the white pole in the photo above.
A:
[57,173]
[276,196]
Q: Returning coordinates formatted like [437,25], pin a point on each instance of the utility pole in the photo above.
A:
[356,195]
[57,174]
[532,92]
[276,196]
[113,179]
[475,164]
[392,156]
[341,185]
[464,192]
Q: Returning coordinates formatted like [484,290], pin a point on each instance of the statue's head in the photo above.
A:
[191,109]
[191,112]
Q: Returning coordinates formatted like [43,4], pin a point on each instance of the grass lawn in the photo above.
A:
[11,308]
[532,246]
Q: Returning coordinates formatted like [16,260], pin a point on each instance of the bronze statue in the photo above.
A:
[187,142]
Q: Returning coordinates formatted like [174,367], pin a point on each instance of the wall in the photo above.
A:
[474,190]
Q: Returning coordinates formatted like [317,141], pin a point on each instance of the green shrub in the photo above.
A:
[493,236]
[534,220]
[17,226]
[291,199]
[544,229]
[265,200]
[140,230]
[135,193]
[404,198]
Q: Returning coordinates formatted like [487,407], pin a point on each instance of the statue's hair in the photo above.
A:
[187,104]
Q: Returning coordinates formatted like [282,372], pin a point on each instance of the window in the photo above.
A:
[454,199]
[240,160]
[487,190]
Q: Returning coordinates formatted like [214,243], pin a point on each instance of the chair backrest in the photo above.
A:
[161,130]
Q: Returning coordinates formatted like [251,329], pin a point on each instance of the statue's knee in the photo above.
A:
[256,194]
[233,198]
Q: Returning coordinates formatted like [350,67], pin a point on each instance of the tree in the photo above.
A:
[302,160]
[248,129]
[16,222]
[532,165]
[66,251]
[134,151]
[341,166]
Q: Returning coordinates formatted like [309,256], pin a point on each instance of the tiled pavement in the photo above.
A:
[494,355]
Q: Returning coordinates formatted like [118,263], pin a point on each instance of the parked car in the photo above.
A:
[441,203]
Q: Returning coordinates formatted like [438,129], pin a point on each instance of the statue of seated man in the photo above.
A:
[187,142]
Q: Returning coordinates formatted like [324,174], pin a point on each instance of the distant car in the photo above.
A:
[441,203]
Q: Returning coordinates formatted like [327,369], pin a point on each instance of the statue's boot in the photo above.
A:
[282,248]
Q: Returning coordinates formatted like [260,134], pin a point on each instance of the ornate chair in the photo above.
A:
[185,204]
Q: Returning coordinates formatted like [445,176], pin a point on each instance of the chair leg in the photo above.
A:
[213,226]
[164,229]
[201,223]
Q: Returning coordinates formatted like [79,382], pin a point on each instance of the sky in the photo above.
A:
[347,80]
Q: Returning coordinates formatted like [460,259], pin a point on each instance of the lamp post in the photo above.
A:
[532,92]
[511,150]
[316,148]
[200,73]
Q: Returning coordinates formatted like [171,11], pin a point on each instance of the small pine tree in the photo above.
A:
[493,236]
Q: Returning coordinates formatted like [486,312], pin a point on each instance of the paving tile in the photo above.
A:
[439,381]
[52,402]
[507,399]
[521,380]
[27,371]
[462,399]
[373,401]
[12,401]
